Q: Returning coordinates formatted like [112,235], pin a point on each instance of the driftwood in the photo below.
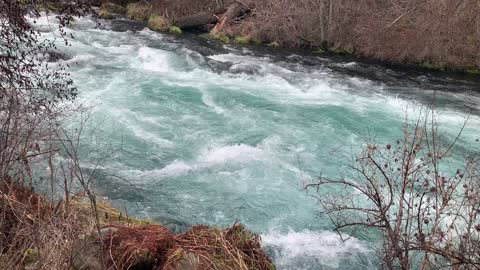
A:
[234,11]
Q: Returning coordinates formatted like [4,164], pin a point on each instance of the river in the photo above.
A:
[206,133]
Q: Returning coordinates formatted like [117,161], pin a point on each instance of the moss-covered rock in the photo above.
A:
[274,44]
[139,11]
[104,14]
[220,36]
[473,71]
[112,8]
[158,23]
[107,10]
[175,29]
[432,66]
[244,40]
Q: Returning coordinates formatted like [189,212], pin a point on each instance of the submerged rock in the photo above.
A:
[123,25]
[55,56]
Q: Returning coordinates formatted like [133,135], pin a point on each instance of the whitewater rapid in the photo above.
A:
[209,133]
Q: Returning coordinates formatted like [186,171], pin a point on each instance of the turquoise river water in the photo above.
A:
[207,133]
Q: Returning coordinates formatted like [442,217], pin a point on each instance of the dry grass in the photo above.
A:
[442,34]
[42,235]
[234,248]
[138,246]
[36,232]
[202,247]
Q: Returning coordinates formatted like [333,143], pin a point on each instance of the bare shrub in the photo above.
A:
[174,9]
[426,212]
[33,94]
[441,34]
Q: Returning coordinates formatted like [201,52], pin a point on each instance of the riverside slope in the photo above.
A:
[210,133]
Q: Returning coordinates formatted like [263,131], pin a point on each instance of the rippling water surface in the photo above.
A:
[211,133]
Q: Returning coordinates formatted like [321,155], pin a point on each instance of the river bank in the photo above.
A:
[93,235]
[323,27]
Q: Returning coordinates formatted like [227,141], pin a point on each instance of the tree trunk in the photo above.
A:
[235,10]
[196,21]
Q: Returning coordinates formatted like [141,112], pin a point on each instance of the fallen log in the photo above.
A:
[197,21]
[234,11]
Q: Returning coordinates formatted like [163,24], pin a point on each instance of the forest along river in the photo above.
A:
[208,133]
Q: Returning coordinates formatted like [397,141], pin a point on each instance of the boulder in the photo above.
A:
[88,250]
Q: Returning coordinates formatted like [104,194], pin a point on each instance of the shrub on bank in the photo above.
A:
[139,11]
[108,9]
[158,23]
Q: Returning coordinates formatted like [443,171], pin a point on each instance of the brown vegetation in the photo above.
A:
[139,247]
[37,233]
[440,35]
[33,229]
[202,247]
[445,33]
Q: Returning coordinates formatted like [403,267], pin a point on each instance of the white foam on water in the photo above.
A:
[239,153]
[151,34]
[214,156]
[208,100]
[236,58]
[176,168]
[80,59]
[153,60]
[131,122]
[325,247]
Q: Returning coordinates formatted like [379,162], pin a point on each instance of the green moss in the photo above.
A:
[256,41]
[429,65]
[220,36]
[319,51]
[473,71]
[242,40]
[158,23]
[31,256]
[139,11]
[52,7]
[274,44]
[175,29]
[112,8]
[110,215]
[104,14]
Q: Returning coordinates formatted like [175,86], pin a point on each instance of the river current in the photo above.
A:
[207,133]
